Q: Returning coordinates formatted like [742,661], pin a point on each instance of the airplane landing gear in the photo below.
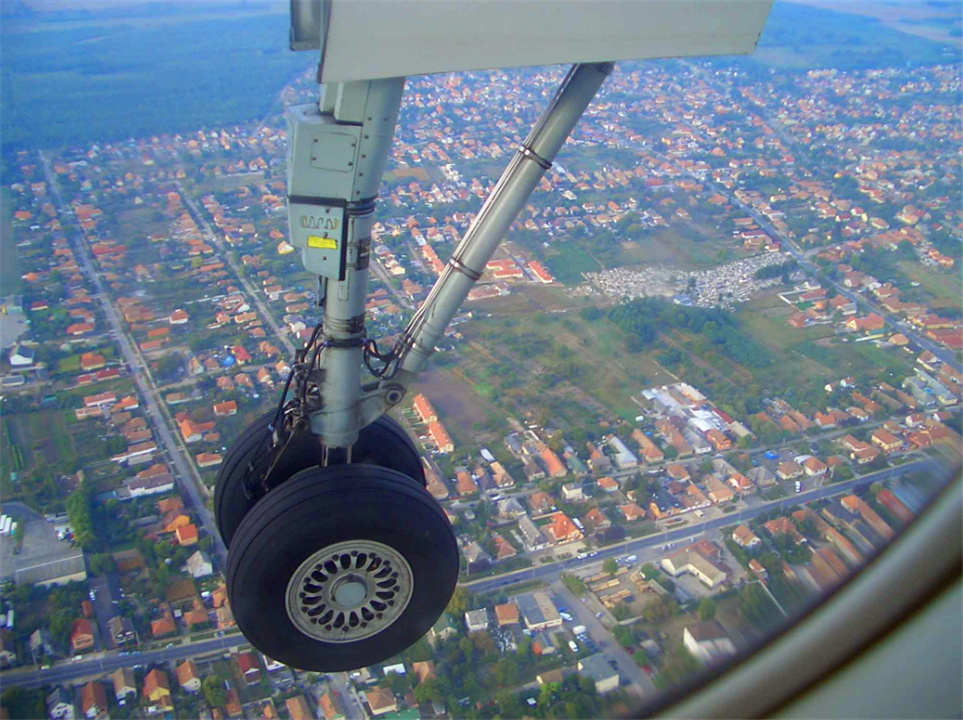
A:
[241,482]
[341,567]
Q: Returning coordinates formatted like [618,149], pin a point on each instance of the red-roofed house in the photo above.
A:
[561,529]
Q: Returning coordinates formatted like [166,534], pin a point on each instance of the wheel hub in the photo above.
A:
[349,591]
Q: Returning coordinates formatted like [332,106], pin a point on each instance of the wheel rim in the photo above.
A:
[349,591]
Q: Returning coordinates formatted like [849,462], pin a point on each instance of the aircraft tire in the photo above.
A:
[384,442]
[341,567]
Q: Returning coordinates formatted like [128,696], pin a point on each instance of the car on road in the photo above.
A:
[598,614]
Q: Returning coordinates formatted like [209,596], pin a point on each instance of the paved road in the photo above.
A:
[255,297]
[185,477]
[627,668]
[108,662]
[350,704]
[550,572]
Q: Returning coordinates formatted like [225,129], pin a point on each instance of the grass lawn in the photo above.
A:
[567,261]
[776,334]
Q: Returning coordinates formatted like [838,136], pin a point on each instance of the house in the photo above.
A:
[597,668]
[762,476]
[476,620]
[886,441]
[708,642]
[506,614]
[789,470]
[540,502]
[542,644]
[164,625]
[562,530]
[250,668]
[425,409]
[41,643]
[717,491]
[188,676]
[199,565]
[424,670]
[608,484]
[742,484]
[60,704]
[187,535]
[381,701]
[93,699]
[442,629]
[632,512]
[596,521]
[125,684]
[503,549]
[573,491]
[82,636]
[675,471]
[554,466]
[744,537]
[21,356]
[719,441]
[298,708]
[330,705]
[225,409]
[784,526]
[121,629]
[531,534]
[157,690]
[814,467]
[438,435]
[855,505]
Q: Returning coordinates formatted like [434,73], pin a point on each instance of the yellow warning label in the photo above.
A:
[322,242]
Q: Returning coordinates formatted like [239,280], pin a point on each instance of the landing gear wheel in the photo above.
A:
[384,442]
[341,567]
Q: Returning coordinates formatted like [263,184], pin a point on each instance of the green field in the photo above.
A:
[946,287]
[105,81]
[797,36]
[567,261]
[9,264]
[774,333]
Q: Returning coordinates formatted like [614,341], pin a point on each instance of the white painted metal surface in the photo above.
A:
[390,38]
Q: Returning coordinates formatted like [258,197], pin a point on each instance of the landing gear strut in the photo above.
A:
[339,557]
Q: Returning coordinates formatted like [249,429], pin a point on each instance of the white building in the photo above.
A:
[708,642]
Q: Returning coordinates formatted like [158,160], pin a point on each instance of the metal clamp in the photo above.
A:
[459,266]
[530,154]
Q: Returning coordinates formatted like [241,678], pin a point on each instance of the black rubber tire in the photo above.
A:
[320,507]
[383,443]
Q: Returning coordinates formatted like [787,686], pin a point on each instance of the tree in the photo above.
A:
[213,688]
[707,609]
[610,566]
[427,692]
[641,657]
[458,603]
[102,563]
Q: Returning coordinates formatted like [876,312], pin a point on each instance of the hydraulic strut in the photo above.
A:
[336,156]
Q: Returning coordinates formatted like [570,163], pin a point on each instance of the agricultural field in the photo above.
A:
[945,287]
[9,263]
